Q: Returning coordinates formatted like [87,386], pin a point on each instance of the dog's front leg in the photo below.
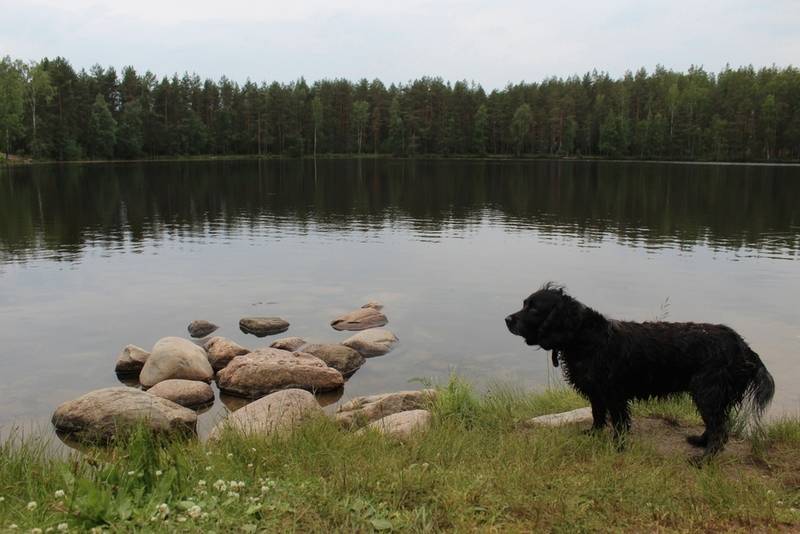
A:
[599,411]
[620,421]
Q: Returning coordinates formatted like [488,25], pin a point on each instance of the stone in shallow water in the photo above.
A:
[368,316]
[101,414]
[131,360]
[362,410]
[372,342]
[189,393]
[288,343]
[267,370]
[263,326]
[201,328]
[581,415]
[222,350]
[402,425]
[344,359]
[275,413]
[175,357]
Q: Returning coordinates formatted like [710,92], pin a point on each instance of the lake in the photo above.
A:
[97,256]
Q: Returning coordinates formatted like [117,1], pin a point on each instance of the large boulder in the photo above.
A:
[201,328]
[368,316]
[222,350]
[263,326]
[402,425]
[175,357]
[288,343]
[372,342]
[363,410]
[101,414]
[276,413]
[344,359]
[189,393]
[267,370]
[131,360]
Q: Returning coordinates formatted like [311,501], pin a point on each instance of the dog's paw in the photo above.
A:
[697,441]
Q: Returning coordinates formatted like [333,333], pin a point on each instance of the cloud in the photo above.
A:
[489,42]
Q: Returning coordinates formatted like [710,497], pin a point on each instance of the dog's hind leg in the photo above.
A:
[700,440]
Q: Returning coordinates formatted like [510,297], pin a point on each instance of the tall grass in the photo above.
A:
[475,469]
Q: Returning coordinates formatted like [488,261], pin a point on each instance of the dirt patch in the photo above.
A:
[669,438]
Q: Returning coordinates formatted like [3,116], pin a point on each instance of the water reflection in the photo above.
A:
[58,211]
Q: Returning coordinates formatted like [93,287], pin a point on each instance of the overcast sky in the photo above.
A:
[490,42]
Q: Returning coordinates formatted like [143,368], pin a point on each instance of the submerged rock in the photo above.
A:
[372,342]
[175,357]
[222,350]
[368,316]
[344,359]
[288,343]
[189,393]
[267,370]
[276,413]
[201,328]
[263,326]
[363,410]
[131,360]
[402,425]
[100,415]
[581,415]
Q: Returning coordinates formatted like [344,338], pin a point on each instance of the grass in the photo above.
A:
[476,469]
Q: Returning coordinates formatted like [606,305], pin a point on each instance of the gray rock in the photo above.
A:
[267,370]
[175,357]
[201,328]
[288,343]
[581,415]
[368,316]
[277,413]
[101,414]
[189,393]
[222,350]
[263,326]
[363,410]
[131,360]
[402,425]
[344,359]
[372,342]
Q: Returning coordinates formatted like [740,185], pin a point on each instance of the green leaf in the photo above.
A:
[381,524]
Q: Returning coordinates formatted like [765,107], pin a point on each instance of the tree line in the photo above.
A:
[50,111]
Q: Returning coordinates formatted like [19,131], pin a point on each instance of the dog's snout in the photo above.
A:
[511,323]
[509,320]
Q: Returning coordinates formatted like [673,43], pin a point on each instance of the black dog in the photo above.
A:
[612,362]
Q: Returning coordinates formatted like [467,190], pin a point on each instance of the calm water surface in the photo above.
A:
[98,256]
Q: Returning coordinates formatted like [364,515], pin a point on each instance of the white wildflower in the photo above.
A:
[60,494]
[131,473]
[12,526]
[208,468]
[181,519]
[204,515]
[250,466]
[32,506]
[194,512]
[159,473]
[62,527]
[252,449]
[230,455]
[36,531]
[201,482]
[220,485]
[233,494]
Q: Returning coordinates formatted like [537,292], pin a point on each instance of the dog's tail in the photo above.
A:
[760,390]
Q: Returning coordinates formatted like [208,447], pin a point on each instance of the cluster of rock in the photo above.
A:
[176,374]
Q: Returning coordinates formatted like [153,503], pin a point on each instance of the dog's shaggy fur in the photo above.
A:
[612,362]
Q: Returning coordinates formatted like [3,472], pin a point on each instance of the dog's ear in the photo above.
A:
[561,324]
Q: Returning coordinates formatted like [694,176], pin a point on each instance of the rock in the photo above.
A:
[365,317]
[175,357]
[372,342]
[201,328]
[222,350]
[402,425]
[344,359]
[581,415]
[276,413]
[373,304]
[99,415]
[189,393]
[267,370]
[131,360]
[288,343]
[362,410]
[263,326]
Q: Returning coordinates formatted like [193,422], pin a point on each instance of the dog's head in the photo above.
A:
[549,318]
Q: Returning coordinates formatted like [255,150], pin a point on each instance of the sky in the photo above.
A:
[489,42]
